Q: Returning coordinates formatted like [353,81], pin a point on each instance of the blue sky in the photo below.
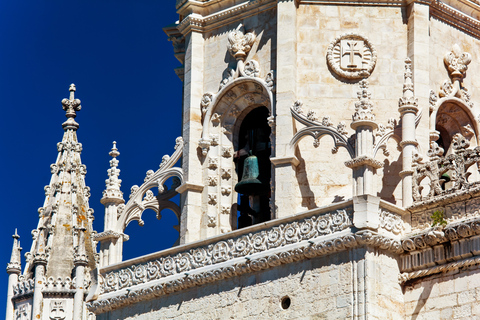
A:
[117,54]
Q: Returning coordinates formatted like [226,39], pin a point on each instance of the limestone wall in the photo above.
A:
[326,178]
[449,296]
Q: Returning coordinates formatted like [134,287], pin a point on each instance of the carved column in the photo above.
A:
[408,108]
[111,241]
[14,269]
[284,161]
[363,165]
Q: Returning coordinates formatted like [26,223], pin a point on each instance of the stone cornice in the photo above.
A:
[199,17]
[450,196]
[109,234]
[440,249]
[306,235]
[456,18]
[187,186]
[363,161]
[296,251]
[290,160]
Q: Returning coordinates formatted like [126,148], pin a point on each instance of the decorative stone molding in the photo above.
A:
[363,108]
[142,197]
[233,268]
[23,287]
[143,288]
[317,130]
[363,160]
[275,237]
[109,234]
[351,56]
[463,207]
[457,164]
[457,62]
[441,250]
[391,221]
[435,151]
[383,134]
[240,43]
[437,235]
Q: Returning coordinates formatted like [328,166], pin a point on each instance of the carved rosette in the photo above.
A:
[351,56]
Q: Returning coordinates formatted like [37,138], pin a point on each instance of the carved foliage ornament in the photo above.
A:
[221,251]
[457,62]
[351,56]
[224,271]
[239,43]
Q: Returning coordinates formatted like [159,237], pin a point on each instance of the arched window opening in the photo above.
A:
[450,120]
[253,167]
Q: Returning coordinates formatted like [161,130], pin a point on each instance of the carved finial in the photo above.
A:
[457,62]
[113,183]
[363,107]
[114,153]
[239,43]
[435,151]
[460,143]
[408,102]
[14,266]
[71,105]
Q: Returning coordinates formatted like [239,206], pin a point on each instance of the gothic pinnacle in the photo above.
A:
[112,191]
[14,266]
[71,105]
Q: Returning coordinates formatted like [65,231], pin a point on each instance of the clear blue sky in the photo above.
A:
[117,54]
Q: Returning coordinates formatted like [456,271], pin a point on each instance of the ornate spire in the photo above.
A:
[71,105]
[66,206]
[113,183]
[15,262]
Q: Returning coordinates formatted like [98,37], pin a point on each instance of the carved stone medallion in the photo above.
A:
[351,56]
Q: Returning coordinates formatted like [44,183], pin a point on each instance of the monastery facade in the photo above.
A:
[328,169]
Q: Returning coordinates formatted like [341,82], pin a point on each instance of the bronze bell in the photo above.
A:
[250,185]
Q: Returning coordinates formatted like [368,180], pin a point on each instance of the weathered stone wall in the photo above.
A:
[447,296]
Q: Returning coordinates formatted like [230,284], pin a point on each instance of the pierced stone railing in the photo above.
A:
[447,176]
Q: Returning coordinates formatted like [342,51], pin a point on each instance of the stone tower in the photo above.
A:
[56,277]
[359,119]
[352,126]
